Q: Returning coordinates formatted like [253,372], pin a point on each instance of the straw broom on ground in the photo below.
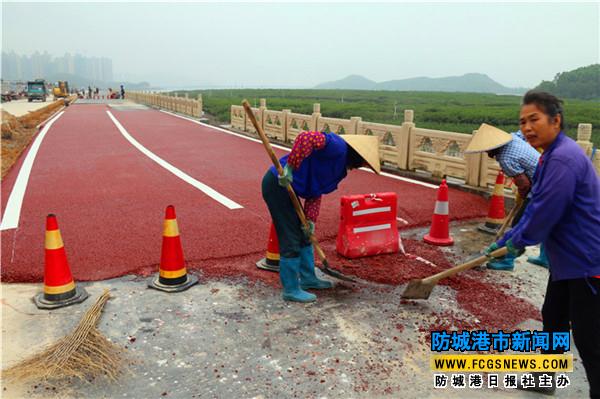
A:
[84,354]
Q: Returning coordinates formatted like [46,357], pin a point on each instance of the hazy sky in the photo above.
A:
[303,44]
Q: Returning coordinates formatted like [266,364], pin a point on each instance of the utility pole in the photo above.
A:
[395,103]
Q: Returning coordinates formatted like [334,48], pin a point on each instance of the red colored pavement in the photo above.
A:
[110,198]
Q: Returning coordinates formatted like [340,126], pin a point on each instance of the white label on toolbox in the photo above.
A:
[441,208]
[372,210]
[354,204]
[371,228]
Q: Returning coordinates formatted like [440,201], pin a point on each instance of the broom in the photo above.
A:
[84,354]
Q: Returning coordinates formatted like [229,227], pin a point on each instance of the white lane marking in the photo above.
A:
[182,175]
[226,131]
[12,212]
[406,179]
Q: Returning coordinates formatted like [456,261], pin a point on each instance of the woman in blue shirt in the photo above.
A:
[316,165]
[564,215]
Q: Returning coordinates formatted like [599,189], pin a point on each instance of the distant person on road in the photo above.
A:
[97,91]
[122,92]
[315,166]
[564,214]
[90,92]
[517,159]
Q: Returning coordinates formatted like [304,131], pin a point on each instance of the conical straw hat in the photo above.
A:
[487,138]
[367,147]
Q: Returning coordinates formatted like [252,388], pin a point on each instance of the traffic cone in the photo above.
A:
[271,260]
[439,233]
[496,215]
[172,275]
[59,288]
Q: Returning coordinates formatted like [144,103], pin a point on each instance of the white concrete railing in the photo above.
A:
[182,105]
[404,147]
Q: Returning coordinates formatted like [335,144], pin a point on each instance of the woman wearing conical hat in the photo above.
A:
[517,159]
[316,165]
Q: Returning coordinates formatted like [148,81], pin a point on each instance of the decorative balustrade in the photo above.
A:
[182,105]
[404,147]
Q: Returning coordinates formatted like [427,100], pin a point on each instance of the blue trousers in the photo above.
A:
[286,221]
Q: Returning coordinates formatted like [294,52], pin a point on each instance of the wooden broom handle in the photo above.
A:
[465,266]
[511,215]
[290,190]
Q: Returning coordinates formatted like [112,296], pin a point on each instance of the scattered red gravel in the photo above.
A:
[218,244]
[487,302]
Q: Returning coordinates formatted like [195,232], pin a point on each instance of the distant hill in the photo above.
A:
[470,82]
[352,82]
[582,83]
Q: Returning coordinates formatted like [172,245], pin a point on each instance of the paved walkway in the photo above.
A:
[108,173]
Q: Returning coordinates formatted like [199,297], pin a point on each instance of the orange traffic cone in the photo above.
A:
[496,215]
[59,288]
[271,260]
[172,274]
[439,233]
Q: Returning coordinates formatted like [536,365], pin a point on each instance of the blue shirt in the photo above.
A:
[322,171]
[564,212]
[518,157]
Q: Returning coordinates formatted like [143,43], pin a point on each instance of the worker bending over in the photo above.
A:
[315,166]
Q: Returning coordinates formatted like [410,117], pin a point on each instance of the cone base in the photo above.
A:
[42,303]
[489,228]
[438,241]
[264,264]
[157,285]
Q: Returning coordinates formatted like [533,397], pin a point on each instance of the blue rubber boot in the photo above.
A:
[506,263]
[288,274]
[308,278]
[541,260]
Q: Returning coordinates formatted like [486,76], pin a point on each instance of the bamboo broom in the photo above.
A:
[83,354]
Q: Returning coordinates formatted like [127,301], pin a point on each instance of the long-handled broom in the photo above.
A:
[84,354]
[325,268]
[421,288]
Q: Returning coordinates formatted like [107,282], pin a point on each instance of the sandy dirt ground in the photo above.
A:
[22,107]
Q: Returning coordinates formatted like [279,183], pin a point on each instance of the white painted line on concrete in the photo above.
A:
[43,123]
[182,175]
[405,179]
[12,212]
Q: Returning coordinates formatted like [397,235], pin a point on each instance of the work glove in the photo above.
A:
[308,230]
[494,246]
[287,178]
[512,250]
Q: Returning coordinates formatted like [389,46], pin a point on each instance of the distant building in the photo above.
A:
[38,65]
